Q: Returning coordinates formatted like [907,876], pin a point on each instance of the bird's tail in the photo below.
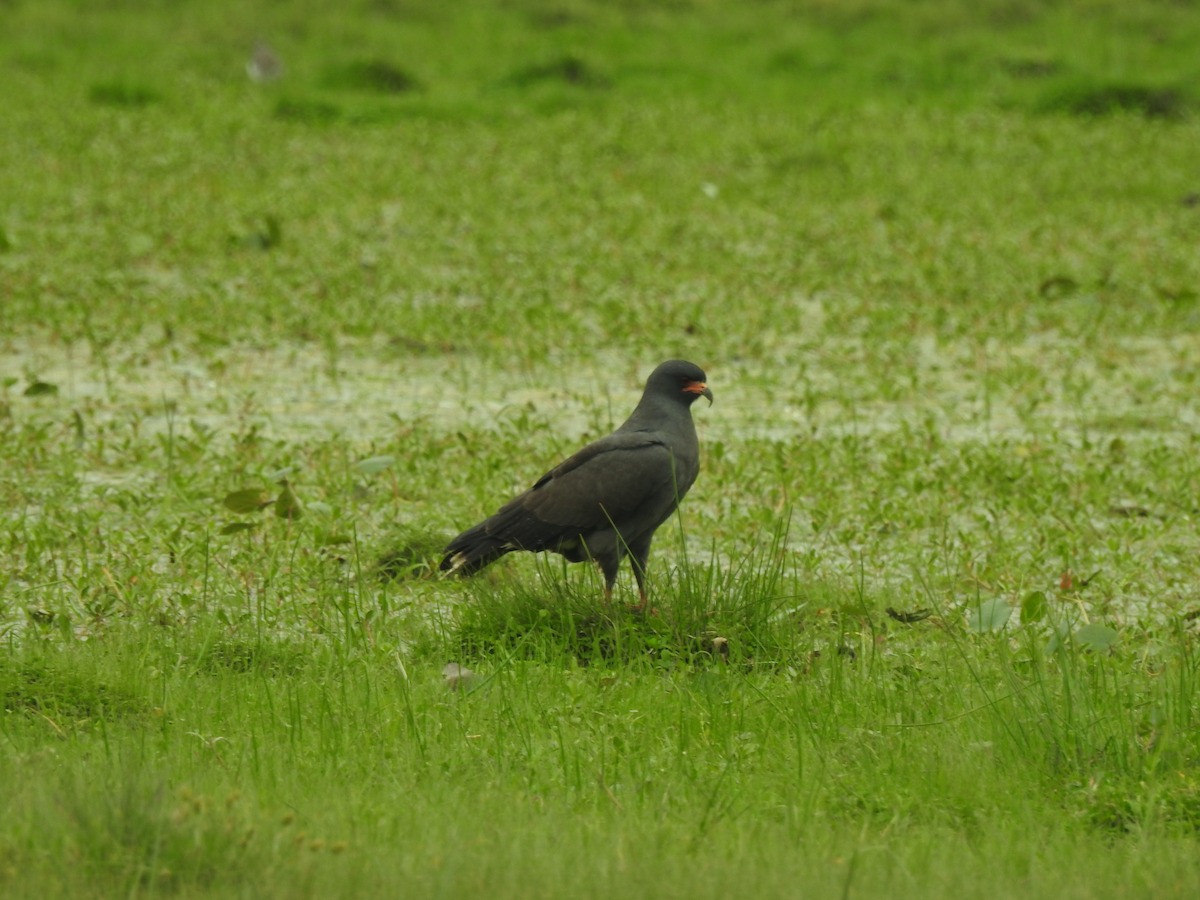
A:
[472,550]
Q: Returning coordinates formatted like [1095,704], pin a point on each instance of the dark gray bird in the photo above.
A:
[607,500]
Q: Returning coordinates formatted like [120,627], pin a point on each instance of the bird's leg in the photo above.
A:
[608,568]
[641,583]
[643,606]
[637,556]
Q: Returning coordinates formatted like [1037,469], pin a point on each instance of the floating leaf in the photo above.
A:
[991,615]
[236,528]
[1033,607]
[41,389]
[1059,640]
[281,476]
[375,464]
[247,501]
[288,505]
[1096,637]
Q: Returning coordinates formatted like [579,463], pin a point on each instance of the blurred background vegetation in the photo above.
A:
[525,175]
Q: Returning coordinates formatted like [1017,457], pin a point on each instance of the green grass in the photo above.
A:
[927,624]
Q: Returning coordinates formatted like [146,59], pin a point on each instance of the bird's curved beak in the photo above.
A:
[699,387]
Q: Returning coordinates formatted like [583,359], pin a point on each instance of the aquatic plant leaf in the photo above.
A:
[247,501]
[41,389]
[991,615]
[1033,607]
[1096,637]
[375,464]
[288,505]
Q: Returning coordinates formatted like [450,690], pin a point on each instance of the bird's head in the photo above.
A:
[679,380]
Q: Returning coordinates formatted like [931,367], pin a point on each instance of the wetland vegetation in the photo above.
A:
[927,623]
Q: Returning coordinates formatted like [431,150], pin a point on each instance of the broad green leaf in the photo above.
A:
[247,501]
[991,615]
[318,507]
[856,608]
[1033,607]
[375,464]
[281,476]
[8,381]
[288,505]
[236,528]
[1060,638]
[41,389]
[1096,637]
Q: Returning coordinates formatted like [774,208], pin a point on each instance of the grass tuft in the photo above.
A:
[307,111]
[56,689]
[1111,99]
[566,70]
[412,554]
[122,94]
[372,76]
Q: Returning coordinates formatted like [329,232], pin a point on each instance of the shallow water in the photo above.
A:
[968,392]
[1045,388]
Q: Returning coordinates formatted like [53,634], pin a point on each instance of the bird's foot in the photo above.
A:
[642,607]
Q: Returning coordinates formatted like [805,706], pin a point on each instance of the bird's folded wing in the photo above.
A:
[603,488]
[616,441]
[603,484]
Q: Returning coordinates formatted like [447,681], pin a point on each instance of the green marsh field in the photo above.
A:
[925,627]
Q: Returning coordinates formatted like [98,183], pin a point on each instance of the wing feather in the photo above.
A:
[611,482]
